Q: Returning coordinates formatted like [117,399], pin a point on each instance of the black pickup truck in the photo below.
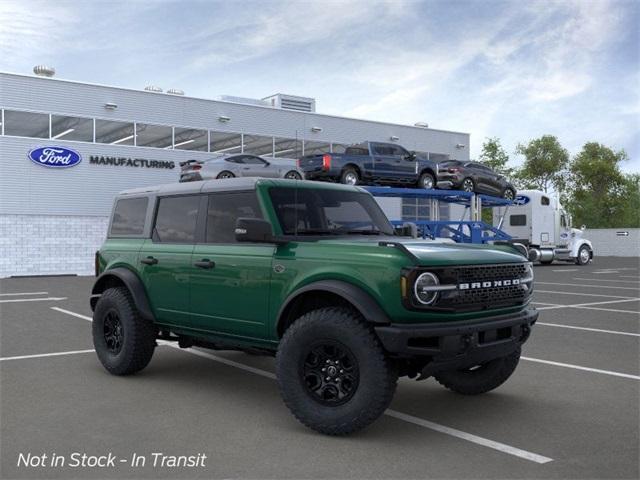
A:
[372,163]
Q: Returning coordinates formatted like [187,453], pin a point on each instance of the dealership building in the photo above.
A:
[52,220]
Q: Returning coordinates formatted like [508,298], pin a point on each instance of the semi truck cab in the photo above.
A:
[538,221]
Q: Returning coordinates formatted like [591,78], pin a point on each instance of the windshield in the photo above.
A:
[306,211]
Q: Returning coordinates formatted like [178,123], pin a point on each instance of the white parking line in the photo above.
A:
[629,276]
[588,286]
[582,294]
[567,270]
[588,329]
[590,304]
[47,299]
[41,355]
[23,293]
[533,457]
[610,310]
[68,312]
[578,367]
[603,280]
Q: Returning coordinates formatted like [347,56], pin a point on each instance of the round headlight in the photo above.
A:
[421,289]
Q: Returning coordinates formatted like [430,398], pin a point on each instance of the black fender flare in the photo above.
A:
[361,300]
[133,284]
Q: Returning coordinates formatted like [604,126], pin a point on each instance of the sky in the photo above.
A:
[515,70]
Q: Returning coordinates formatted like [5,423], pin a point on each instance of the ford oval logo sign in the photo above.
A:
[55,157]
[521,200]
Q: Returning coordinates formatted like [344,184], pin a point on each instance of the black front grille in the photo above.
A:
[478,297]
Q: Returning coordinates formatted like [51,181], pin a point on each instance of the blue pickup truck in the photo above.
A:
[372,163]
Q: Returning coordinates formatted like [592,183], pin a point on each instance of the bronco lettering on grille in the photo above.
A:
[488,284]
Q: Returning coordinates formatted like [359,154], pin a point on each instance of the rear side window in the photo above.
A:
[518,220]
[544,201]
[176,219]
[223,212]
[357,151]
[128,216]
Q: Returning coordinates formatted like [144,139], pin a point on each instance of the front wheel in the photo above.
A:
[124,341]
[293,175]
[584,255]
[480,378]
[332,372]
[426,181]
[509,194]
[225,174]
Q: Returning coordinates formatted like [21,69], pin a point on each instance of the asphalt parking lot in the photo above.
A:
[570,410]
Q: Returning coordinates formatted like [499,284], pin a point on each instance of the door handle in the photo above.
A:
[246,168]
[149,261]
[205,263]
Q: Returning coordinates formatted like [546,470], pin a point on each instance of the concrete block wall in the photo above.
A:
[613,241]
[50,244]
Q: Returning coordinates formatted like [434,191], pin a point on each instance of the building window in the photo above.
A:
[258,145]
[190,139]
[287,148]
[315,148]
[26,124]
[71,128]
[114,133]
[221,142]
[157,136]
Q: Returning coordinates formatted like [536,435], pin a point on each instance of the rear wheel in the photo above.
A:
[584,255]
[480,378]
[293,175]
[123,340]
[426,181]
[332,372]
[468,185]
[349,176]
[225,174]
[509,194]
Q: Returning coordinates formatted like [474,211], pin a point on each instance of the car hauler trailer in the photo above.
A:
[539,222]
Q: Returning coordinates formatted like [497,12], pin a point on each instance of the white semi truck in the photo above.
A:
[539,222]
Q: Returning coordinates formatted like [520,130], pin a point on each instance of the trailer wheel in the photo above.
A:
[584,255]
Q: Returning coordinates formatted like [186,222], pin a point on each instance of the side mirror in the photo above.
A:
[253,230]
[411,156]
[583,227]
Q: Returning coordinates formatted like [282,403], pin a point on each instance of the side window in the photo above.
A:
[544,201]
[251,160]
[176,219]
[518,220]
[238,159]
[128,216]
[399,151]
[563,221]
[223,211]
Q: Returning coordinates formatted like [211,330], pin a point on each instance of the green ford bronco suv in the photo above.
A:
[314,274]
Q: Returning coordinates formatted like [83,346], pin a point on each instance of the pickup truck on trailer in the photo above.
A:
[372,163]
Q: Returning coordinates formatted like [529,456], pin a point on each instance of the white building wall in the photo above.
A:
[608,242]
[50,244]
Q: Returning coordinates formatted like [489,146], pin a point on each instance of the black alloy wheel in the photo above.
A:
[225,174]
[330,373]
[113,332]
[508,194]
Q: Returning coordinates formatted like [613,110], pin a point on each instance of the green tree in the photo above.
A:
[545,164]
[599,194]
[495,157]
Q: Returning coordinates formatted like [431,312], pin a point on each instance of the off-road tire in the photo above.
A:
[484,379]
[225,174]
[348,173]
[377,374]
[426,178]
[138,334]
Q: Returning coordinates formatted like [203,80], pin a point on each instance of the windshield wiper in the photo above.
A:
[315,231]
[362,232]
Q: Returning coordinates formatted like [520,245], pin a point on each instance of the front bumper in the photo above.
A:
[449,346]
